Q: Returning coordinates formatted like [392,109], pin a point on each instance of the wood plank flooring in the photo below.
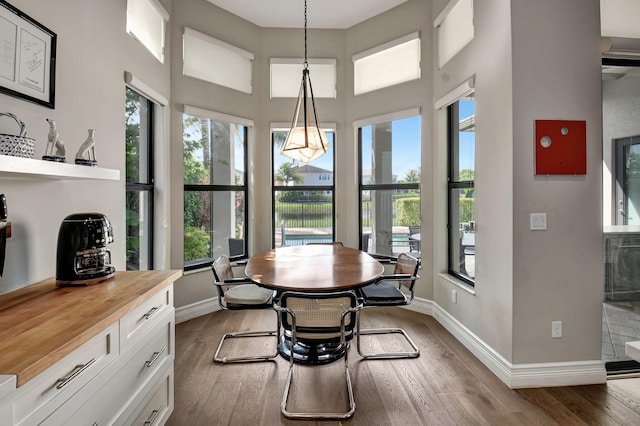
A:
[446,385]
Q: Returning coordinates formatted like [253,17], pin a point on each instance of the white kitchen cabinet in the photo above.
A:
[121,387]
[41,396]
[121,374]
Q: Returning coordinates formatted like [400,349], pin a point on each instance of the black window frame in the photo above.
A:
[148,186]
[452,184]
[212,188]
[373,187]
[306,188]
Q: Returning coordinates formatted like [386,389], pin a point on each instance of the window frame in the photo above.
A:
[212,188]
[382,186]
[317,71]
[362,68]
[452,184]
[136,30]
[148,186]
[229,66]
[275,188]
[448,47]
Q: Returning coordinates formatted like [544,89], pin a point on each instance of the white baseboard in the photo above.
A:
[197,309]
[523,375]
[513,375]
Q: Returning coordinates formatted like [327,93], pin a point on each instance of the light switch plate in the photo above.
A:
[538,222]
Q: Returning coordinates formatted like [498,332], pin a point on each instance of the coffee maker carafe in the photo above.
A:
[82,257]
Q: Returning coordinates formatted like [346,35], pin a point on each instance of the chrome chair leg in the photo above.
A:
[385,355]
[316,415]
[247,334]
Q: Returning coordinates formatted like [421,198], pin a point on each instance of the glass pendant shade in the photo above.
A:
[305,141]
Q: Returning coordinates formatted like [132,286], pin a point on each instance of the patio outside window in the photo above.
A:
[303,196]
[390,172]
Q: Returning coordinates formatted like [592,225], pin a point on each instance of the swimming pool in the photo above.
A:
[300,240]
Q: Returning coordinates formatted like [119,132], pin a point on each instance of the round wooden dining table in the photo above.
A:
[312,268]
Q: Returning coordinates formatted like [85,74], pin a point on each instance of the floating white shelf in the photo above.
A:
[31,168]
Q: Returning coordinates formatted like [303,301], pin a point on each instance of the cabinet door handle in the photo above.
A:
[79,369]
[152,312]
[154,416]
[154,358]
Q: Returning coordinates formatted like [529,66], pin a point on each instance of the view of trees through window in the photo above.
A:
[390,186]
[303,204]
[214,190]
[139,181]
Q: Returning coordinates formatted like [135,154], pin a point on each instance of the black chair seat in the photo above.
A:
[384,291]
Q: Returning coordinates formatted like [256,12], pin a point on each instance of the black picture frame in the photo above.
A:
[27,57]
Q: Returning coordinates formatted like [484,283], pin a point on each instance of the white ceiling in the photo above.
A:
[320,13]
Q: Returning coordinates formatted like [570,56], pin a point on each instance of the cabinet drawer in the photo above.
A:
[115,389]
[142,318]
[158,409]
[43,394]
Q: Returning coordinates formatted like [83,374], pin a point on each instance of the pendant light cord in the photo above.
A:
[306,64]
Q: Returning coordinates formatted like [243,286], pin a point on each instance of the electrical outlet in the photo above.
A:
[556,329]
[454,296]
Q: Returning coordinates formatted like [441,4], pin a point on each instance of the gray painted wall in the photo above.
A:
[557,273]
[93,52]
[525,279]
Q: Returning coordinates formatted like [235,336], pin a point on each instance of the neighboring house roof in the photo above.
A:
[307,168]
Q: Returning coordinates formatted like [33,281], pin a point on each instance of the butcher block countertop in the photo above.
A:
[40,323]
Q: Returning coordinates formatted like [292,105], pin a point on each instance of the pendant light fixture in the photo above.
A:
[305,141]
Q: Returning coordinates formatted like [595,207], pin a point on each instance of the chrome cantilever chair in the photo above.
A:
[237,294]
[391,290]
[324,317]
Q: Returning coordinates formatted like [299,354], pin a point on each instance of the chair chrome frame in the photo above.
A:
[344,328]
[223,285]
[406,280]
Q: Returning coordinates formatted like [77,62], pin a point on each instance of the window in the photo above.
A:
[147,23]
[618,18]
[455,29]
[303,195]
[286,75]
[215,186]
[627,158]
[389,170]
[215,61]
[139,117]
[462,219]
[392,63]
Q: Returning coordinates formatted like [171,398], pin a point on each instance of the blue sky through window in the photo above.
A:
[467,141]
[405,140]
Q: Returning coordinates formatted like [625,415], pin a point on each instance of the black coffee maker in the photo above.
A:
[82,256]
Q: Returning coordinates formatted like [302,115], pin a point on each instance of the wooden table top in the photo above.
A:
[313,268]
[41,323]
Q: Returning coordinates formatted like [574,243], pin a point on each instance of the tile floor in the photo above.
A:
[620,324]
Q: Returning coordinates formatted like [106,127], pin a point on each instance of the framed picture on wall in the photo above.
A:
[27,57]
